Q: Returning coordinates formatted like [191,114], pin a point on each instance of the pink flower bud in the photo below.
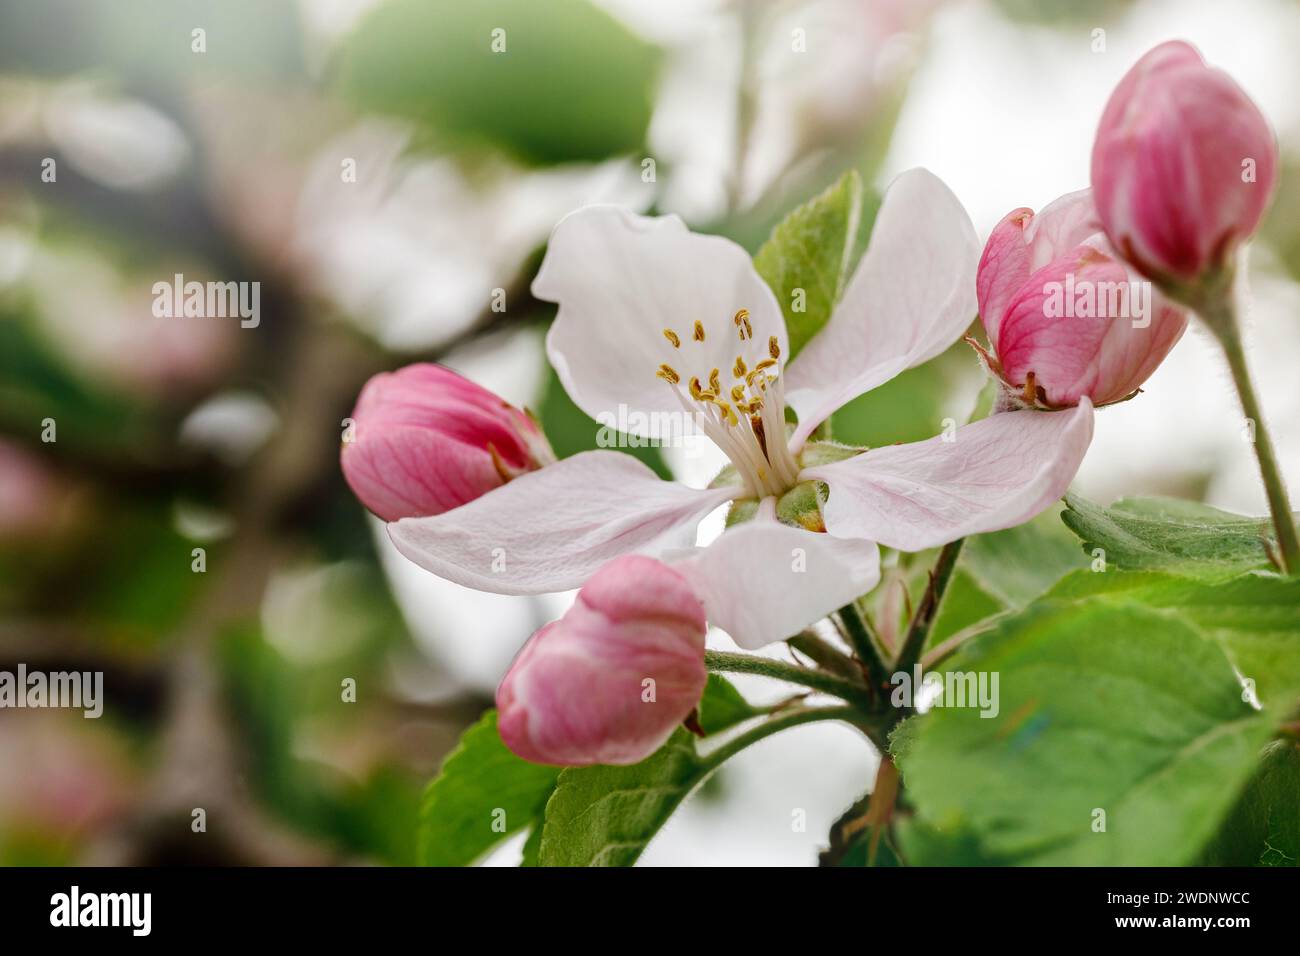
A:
[1183,166]
[609,681]
[424,440]
[1065,316]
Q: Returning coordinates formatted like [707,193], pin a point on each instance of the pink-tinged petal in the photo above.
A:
[1003,268]
[610,681]
[620,281]
[1083,325]
[763,581]
[425,440]
[996,473]
[912,296]
[1170,165]
[1023,243]
[1064,223]
[549,530]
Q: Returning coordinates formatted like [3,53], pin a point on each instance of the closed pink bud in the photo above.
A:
[1066,317]
[1183,167]
[424,440]
[609,681]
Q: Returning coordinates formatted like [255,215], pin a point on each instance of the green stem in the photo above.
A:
[788,719]
[725,662]
[864,645]
[825,655]
[1221,316]
[914,643]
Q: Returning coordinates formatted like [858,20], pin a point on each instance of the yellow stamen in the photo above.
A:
[737,393]
[715,381]
[696,391]
[773,348]
[671,336]
[699,331]
[739,370]
[749,329]
[668,374]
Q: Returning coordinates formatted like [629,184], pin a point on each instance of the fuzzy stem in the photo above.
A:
[726,662]
[864,645]
[786,720]
[1221,317]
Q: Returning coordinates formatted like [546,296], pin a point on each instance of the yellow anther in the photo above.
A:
[739,370]
[758,370]
[715,380]
[699,331]
[697,392]
[773,348]
[668,374]
[749,329]
[740,317]
[671,336]
[738,393]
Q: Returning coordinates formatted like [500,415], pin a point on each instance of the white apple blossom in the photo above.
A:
[665,321]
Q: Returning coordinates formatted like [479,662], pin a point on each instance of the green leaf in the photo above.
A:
[1170,533]
[533,846]
[964,604]
[571,84]
[1105,705]
[605,816]
[722,706]
[1255,618]
[806,261]
[1020,563]
[1264,827]
[480,779]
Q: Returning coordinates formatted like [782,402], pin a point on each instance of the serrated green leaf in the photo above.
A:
[482,795]
[722,706]
[806,260]
[571,83]
[605,816]
[533,846]
[1104,705]
[1151,533]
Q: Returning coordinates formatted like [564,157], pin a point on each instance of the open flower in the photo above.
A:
[656,320]
[1066,317]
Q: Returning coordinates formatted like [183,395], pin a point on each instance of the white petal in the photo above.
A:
[550,529]
[620,280]
[763,581]
[996,473]
[912,295]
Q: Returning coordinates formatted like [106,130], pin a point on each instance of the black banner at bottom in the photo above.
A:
[336,905]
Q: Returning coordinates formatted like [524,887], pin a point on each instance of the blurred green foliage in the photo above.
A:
[549,82]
